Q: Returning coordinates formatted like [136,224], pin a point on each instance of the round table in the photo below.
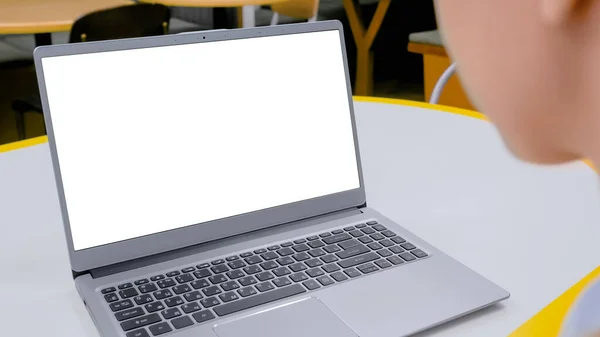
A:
[443,175]
[42,17]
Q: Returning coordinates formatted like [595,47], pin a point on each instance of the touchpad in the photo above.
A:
[307,317]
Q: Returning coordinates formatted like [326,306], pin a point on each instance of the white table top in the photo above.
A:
[445,177]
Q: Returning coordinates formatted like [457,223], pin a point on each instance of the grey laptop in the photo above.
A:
[210,185]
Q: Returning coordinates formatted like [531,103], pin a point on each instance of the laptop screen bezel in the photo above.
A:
[112,253]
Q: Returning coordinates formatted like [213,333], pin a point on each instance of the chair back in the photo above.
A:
[129,21]
[301,9]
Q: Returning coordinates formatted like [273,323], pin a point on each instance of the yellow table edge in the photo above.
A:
[545,323]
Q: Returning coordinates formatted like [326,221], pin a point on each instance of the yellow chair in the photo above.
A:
[299,9]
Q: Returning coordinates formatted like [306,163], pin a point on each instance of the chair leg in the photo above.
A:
[275,19]
[20,122]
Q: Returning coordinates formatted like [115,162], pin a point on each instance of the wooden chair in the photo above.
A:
[136,20]
[298,9]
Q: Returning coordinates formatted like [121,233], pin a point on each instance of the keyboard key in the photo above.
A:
[260,299]
[299,277]
[367,268]
[269,265]
[408,246]
[108,290]
[388,233]
[329,258]
[210,302]
[360,259]
[219,269]
[252,270]
[368,230]
[127,293]
[337,238]
[265,276]
[316,244]
[269,256]
[231,285]
[312,238]
[184,278]
[260,251]
[301,248]
[386,243]
[202,273]
[160,328]
[385,252]
[170,313]
[247,291]
[191,307]
[217,279]
[349,229]
[286,251]
[140,322]
[247,254]
[165,283]
[199,284]
[180,289]
[254,259]
[325,280]
[377,236]
[362,225]
[236,264]
[374,246]
[188,270]
[314,263]
[379,228]
[228,297]
[395,260]
[371,223]
[173,273]
[350,252]
[111,298]
[265,286]
[232,258]
[216,262]
[324,235]
[298,267]
[284,261]
[349,244]
[352,272]
[287,244]
[311,284]
[273,247]
[407,256]
[125,285]
[317,252]
[330,268]
[339,276]
[301,257]
[332,249]
[398,239]
[365,239]
[203,265]
[210,291]
[143,299]
[419,253]
[193,296]
[138,333]
[282,282]
[140,282]
[155,306]
[203,316]
[316,272]
[246,281]
[337,231]
[281,271]
[146,288]
[383,264]
[235,274]
[129,313]
[174,301]
[159,295]
[357,233]
[182,322]
[396,250]
[299,241]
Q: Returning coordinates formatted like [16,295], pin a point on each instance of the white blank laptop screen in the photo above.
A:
[150,140]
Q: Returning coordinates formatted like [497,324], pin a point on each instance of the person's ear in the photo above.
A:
[558,12]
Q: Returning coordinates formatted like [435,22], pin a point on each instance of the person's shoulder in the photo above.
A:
[583,318]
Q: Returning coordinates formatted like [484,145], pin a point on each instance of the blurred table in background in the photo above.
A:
[435,61]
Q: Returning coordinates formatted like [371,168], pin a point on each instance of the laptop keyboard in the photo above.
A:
[196,294]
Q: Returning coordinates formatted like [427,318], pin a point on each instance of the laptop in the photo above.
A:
[210,185]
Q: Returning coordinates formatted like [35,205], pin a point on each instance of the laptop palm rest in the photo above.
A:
[307,317]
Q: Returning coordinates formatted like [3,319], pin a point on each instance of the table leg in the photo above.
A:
[43,39]
[248,16]
[364,40]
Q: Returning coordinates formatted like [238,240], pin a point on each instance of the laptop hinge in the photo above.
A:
[178,253]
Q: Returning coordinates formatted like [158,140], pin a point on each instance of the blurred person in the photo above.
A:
[533,67]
